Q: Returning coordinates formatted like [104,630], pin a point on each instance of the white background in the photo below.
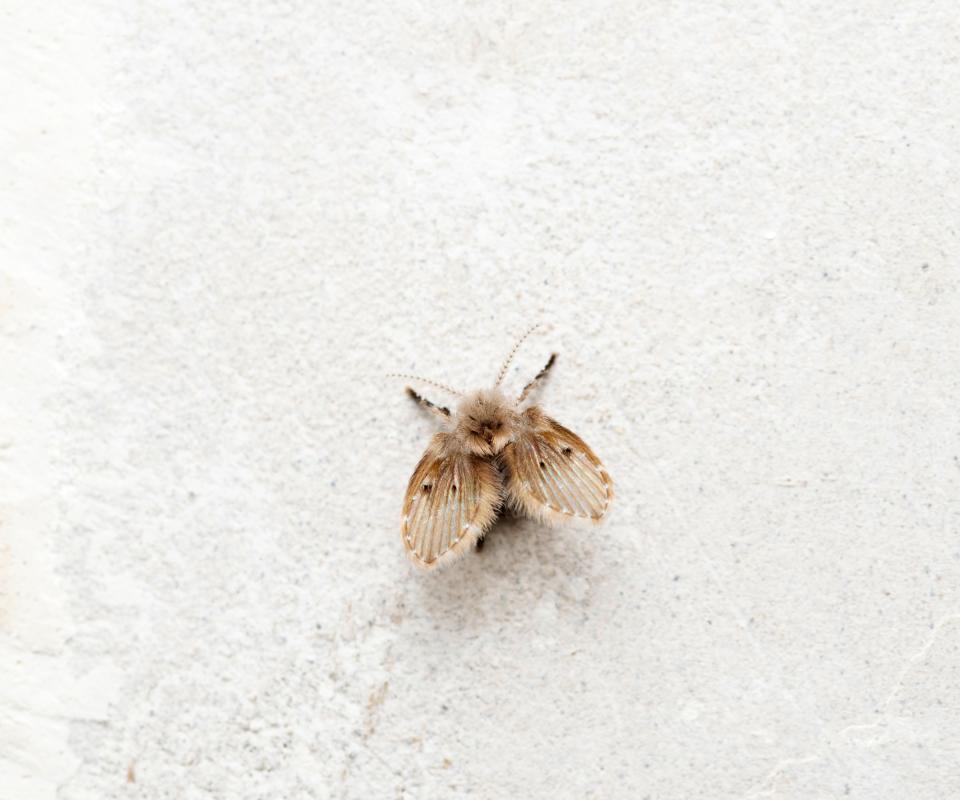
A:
[223,223]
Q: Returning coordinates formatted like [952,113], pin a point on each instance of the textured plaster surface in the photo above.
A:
[223,223]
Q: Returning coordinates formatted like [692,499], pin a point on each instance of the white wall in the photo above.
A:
[223,224]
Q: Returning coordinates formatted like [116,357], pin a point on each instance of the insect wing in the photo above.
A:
[451,500]
[552,474]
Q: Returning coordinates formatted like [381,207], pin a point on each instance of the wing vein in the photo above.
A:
[548,483]
[418,528]
[588,492]
[573,491]
[581,464]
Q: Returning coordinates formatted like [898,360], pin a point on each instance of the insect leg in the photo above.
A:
[539,377]
[431,407]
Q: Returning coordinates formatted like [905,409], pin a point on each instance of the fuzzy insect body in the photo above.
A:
[497,450]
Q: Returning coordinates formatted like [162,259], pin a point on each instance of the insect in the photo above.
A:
[496,450]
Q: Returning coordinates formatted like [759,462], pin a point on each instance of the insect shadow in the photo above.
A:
[519,562]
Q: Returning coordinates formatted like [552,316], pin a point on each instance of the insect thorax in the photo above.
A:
[485,421]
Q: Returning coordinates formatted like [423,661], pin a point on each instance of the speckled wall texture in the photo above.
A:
[223,224]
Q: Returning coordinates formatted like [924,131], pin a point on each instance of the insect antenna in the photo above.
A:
[506,364]
[439,385]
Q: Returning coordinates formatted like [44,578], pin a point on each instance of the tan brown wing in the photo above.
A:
[452,498]
[551,473]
